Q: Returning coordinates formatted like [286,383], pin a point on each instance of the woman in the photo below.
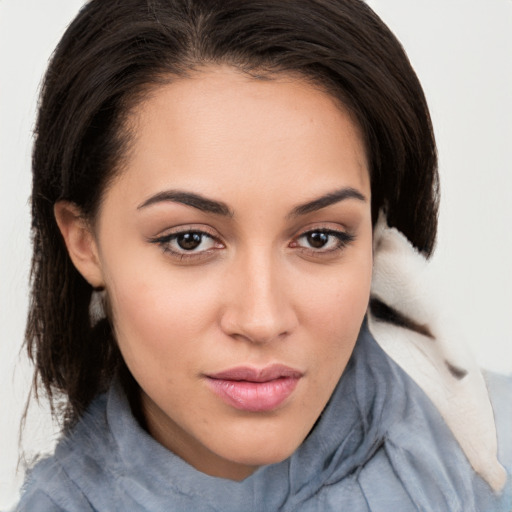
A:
[207,179]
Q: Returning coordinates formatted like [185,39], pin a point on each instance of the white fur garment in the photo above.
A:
[433,355]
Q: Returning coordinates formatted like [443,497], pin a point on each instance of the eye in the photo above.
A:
[323,240]
[187,244]
[190,241]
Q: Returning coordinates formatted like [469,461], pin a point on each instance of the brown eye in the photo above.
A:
[189,241]
[191,244]
[323,241]
[317,239]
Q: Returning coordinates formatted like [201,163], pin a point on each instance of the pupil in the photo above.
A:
[317,239]
[189,241]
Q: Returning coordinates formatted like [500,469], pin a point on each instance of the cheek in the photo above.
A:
[157,312]
[341,296]
[334,309]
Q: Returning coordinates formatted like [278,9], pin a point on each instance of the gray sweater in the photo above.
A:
[380,446]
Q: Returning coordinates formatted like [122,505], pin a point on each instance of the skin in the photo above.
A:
[256,291]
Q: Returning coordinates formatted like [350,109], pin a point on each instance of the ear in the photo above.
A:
[80,242]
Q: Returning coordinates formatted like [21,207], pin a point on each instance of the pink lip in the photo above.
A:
[255,390]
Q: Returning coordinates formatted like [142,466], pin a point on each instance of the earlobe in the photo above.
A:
[80,242]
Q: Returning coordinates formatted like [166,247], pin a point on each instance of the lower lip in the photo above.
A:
[254,396]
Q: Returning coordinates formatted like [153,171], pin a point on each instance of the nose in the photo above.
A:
[259,305]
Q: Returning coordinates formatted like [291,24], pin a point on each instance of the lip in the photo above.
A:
[252,389]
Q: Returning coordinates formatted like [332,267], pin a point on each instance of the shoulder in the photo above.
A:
[38,502]
[49,489]
[500,393]
[500,389]
[54,483]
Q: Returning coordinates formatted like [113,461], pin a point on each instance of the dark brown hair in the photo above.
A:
[108,58]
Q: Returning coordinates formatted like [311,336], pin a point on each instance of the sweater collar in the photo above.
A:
[375,405]
[343,438]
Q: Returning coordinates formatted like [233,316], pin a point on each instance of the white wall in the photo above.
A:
[29,30]
[462,51]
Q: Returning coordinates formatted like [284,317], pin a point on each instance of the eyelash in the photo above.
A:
[343,239]
[165,242]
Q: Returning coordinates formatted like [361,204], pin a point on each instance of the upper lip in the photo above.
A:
[250,374]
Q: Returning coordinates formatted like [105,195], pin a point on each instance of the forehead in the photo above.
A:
[222,129]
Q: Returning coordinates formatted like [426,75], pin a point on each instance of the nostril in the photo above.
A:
[257,333]
[257,306]
[258,325]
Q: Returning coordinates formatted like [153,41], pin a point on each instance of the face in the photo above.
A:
[236,251]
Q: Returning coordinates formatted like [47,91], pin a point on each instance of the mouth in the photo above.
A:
[255,390]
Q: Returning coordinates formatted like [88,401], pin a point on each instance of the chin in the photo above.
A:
[273,455]
[256,451]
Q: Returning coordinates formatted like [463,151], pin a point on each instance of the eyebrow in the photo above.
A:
[220,208]
[327,200]
[189,199]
